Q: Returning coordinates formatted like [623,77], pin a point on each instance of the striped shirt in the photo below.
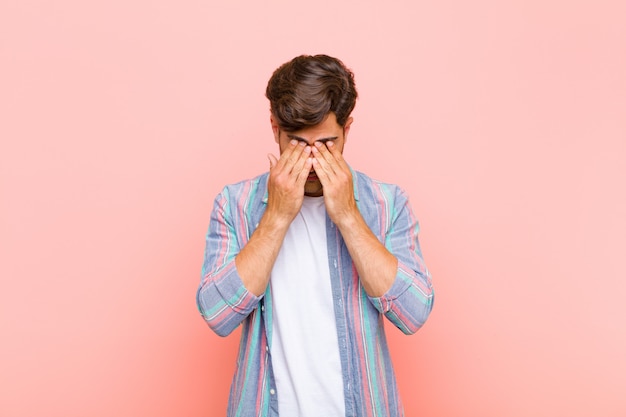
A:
[369,382]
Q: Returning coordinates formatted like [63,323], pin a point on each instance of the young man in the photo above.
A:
[308,258]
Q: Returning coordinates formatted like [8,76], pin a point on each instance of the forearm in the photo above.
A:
[235,279]
[398,284]
[409,301]
[256,259]
[377,267]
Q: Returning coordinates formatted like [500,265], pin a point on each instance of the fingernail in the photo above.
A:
[318,144]
[293,141]
[330,143]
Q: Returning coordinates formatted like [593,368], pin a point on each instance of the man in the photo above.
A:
[308,258]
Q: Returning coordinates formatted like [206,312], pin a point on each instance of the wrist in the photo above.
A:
[349,220]
[275,222]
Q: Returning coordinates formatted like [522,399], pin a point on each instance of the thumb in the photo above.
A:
[272,159]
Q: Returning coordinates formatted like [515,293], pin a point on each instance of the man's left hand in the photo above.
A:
[336,178]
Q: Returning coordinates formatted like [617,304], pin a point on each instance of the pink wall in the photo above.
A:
[120,121]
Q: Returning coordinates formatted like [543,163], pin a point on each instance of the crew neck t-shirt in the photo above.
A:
[305,347]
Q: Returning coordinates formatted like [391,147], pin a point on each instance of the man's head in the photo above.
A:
[311,99]
[303,91]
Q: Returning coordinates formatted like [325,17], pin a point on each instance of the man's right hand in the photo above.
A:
[285,196]
[286,181]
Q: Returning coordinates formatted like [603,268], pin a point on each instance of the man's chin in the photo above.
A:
[313,190]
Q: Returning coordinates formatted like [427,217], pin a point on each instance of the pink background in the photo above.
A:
[121,120]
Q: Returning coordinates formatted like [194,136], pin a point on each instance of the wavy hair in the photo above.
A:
[304,90]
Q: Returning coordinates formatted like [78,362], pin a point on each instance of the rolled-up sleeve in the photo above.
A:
[222,299]
[409,301]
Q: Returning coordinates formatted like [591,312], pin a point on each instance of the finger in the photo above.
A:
[304,173]
[324,158]
[336,153]
[321,173]
[293,154]
[299,165]
[286,154]
[273,160]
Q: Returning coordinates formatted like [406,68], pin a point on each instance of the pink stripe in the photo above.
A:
[361,346]
[418,283]
[383,214]
[412,232]
[245,196]
[261,380]
[222,231]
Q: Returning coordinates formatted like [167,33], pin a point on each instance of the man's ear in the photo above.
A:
[275,128]
[346,128]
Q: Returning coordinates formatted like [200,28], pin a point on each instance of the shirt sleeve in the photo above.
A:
[409,301]
[222,299]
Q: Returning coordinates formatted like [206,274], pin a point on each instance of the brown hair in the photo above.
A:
[304,90]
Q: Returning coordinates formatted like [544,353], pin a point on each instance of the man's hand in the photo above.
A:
[375,264]
[336,178]
[285,195]
[286,181]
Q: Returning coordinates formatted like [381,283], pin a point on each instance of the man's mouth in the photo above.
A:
[312,176]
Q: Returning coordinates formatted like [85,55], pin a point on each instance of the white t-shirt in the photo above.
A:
[305,347]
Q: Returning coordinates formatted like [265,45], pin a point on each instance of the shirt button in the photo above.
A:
[272,392]
[262,308]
